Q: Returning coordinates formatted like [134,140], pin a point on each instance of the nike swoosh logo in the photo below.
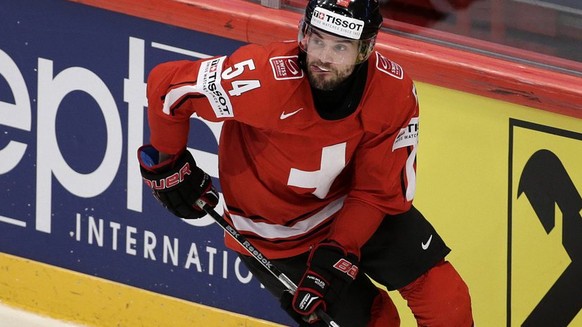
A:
[427,244]
[287,115]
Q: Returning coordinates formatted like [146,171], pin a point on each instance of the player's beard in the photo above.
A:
[334,76]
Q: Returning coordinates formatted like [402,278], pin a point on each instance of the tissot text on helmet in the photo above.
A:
[341,25]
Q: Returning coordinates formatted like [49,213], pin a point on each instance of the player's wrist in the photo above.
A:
[154,161]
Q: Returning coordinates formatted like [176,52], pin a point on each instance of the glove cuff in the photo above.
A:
[149,159]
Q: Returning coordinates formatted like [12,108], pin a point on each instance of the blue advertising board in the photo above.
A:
[72,115]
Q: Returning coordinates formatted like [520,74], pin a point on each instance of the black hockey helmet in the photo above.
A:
[351,19]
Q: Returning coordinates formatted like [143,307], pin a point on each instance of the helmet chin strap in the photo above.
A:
[302,60]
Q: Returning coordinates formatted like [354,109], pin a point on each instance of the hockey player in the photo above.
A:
[317,162]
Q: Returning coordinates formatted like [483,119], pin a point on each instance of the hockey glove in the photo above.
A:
[330,268]
[177,182]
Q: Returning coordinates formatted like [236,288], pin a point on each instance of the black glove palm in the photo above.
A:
[177,182]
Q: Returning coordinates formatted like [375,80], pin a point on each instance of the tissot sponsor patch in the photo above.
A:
[286,67]
[388,66]
[209,84]
[407,136]
[337,24]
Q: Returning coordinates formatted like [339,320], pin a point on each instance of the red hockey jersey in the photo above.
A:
[290,178]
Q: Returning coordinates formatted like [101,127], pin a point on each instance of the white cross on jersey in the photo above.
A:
[333,161]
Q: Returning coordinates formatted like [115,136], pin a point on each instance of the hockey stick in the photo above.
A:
[286,281]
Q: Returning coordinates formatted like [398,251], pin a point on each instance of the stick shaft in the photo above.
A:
[255,253]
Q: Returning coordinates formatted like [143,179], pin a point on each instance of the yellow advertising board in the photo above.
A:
[502,184]
[545,225]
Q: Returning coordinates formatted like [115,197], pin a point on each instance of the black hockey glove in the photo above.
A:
[330,268]
[177,182]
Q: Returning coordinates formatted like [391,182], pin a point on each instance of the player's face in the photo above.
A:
[330,59]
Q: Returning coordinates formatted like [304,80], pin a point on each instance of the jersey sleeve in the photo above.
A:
[169,126]
[384,175]
[215,89]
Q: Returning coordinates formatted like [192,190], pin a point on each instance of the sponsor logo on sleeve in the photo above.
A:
[209,82]
[337,24]
[407,136]
[388,66]
[286,67]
